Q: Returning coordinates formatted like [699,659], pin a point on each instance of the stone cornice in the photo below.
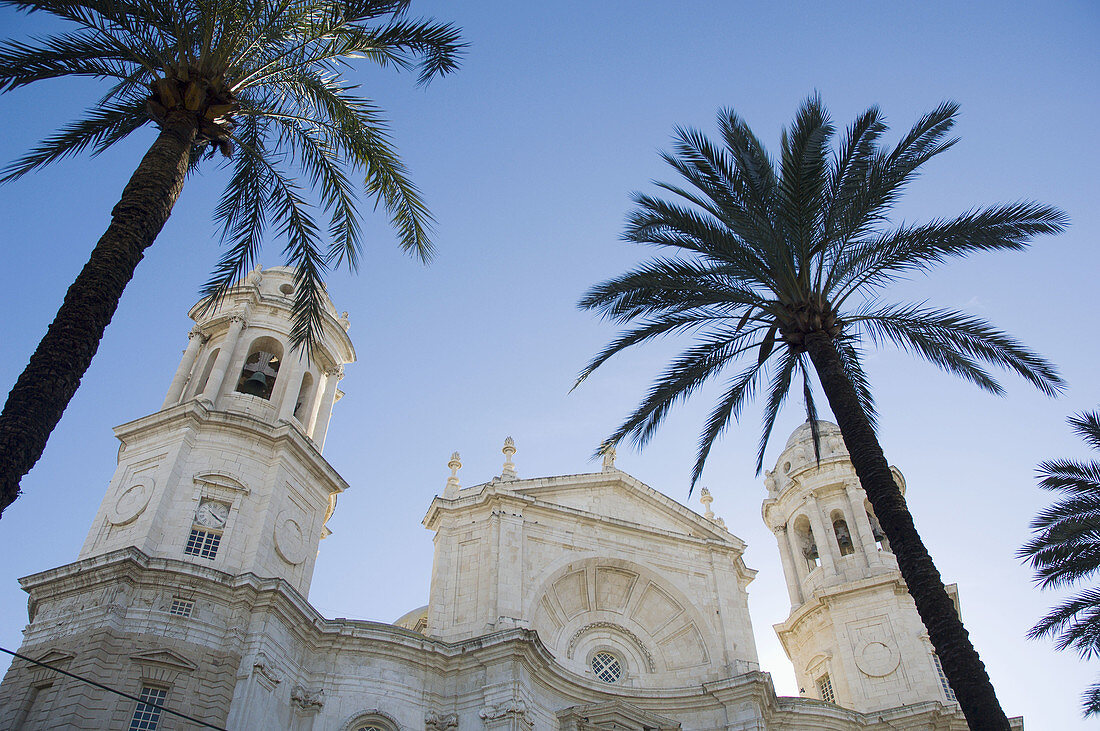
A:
[821,598]
[193,413]
[519,493]
[320,636]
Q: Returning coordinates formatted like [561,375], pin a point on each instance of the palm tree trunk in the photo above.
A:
[45,387]
[961,664]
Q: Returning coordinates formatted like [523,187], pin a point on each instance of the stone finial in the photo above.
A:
[255,276]
[344,322]
[608,454]
[509,470]
[453,486]
[706,499]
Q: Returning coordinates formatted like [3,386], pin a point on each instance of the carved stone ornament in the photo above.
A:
[436,721]
[264,671]
[877,659]
[618,628]
[306,699]
[510,707]
[290,539]
[132,502]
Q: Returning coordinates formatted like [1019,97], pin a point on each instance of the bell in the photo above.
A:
[256,385]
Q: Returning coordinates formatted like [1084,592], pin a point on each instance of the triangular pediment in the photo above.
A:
[54,657]
[164,658]
[618,496]
[613,716]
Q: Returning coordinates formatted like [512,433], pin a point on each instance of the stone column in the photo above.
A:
[863,526]
[195,339]
[291,383]
[821,536]
[324,408]
[225,355]
[788,567]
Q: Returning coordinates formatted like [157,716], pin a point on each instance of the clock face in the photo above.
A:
[211,514]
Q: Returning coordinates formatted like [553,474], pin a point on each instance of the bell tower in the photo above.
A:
[209,527]
[853,634]
[228,473]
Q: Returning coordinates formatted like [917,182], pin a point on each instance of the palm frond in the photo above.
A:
[878,260]
[741,390]
[104,125]
[803,181]
[778,389]
[956,343]
[1065,549]
[1087,426]
[671,285]
[694,367]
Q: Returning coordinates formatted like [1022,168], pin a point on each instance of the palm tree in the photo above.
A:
[256,80]
[1066,550]
[777,266]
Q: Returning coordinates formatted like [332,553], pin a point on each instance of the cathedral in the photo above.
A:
[573,602]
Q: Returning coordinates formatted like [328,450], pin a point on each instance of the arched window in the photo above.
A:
[843,535]
[371,721]
[876,530]
[304,405]
[261,368]
[806,542]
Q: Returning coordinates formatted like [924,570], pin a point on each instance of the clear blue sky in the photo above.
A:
[527,157]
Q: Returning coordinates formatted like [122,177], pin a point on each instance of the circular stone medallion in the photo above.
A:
[290,540]
[877,659]
[130,503]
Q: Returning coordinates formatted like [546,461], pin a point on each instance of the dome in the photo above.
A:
[803,433]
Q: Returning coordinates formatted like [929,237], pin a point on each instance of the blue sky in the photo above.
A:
[527,157]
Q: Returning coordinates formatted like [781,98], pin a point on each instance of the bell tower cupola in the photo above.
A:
[853,634]
[229,473]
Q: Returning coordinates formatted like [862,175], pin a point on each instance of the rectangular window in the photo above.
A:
[147,717]
[203,543]
[181,607]
[943,678]
[825,688]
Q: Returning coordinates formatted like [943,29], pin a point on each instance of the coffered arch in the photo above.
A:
[599,602]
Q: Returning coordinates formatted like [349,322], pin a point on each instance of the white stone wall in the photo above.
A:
[594,562]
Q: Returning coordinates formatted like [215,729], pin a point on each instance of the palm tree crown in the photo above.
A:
[1065,550]
[256,80]
[777,268]
[766,253]
[260,82]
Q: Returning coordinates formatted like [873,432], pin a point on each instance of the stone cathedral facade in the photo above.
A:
[582,601]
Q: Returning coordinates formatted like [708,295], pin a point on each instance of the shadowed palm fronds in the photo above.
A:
[1065,550]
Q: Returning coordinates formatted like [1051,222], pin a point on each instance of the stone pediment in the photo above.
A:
[621,497]
[613,716]
[164,658]
[55,657]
